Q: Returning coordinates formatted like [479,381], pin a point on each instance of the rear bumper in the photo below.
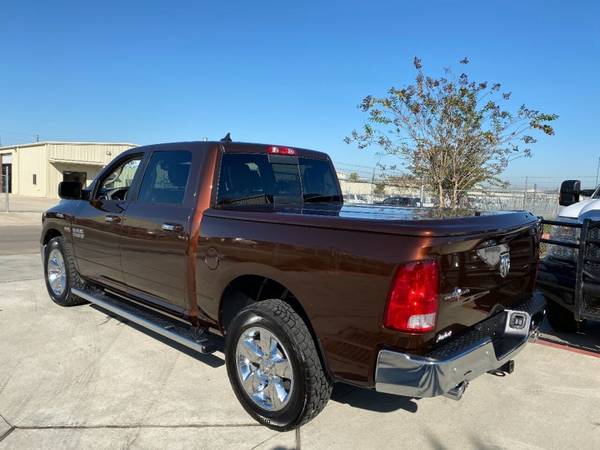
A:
[486,347]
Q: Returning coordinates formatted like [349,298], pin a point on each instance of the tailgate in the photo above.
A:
[482,276]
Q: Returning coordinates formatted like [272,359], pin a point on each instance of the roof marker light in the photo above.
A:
[275,150]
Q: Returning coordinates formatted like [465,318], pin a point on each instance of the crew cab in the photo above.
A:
[203,240]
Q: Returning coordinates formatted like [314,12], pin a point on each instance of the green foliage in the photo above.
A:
[379,188]
[353,176]
[451,132]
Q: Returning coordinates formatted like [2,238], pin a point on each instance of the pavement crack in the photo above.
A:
[4,418]
[264,440]
[132,426]
[7,433]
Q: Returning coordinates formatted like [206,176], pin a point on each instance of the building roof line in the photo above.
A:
[33,144]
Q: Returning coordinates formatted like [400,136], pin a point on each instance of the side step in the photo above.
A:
[198,339]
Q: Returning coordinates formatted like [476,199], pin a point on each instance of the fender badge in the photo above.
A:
[444,335]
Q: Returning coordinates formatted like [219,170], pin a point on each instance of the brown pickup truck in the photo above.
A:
[200,240]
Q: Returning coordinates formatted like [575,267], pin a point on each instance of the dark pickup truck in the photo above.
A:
[200,240]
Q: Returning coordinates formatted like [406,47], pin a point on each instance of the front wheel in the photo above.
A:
[273,366]
[60,273]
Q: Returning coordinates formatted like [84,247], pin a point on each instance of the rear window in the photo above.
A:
[254,180]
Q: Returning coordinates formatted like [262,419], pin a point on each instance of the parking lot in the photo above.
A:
[79,378]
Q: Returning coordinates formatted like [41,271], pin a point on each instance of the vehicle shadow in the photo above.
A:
[586,339]
[210,359]
[372,400]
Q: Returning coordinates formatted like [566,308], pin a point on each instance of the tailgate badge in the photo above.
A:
[504,264]
[457,294]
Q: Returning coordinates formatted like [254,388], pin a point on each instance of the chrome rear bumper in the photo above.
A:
[427,376]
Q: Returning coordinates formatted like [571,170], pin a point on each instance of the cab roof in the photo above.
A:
[229,147]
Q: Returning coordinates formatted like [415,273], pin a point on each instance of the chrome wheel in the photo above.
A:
[56,272]
[264,369]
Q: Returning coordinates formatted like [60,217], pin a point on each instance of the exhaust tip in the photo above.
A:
[457,391]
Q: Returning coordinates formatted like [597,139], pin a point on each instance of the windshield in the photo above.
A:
[256,180]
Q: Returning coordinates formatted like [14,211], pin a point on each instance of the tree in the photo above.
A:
[379,189]
[353,176]
[450,132]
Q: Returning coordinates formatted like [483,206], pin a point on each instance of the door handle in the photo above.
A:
[172,227]
[112,219]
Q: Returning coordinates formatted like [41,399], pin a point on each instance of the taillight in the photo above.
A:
[413,299]
[274,150]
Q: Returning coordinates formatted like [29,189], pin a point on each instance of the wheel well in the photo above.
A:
[51,234]
[249,289]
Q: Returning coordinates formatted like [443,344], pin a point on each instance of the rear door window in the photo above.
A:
[166,177]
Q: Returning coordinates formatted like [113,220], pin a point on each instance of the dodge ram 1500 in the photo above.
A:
[250,244]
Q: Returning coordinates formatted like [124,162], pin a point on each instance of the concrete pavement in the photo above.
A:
[20,240]
[20,232]
[18,203]
[78,378]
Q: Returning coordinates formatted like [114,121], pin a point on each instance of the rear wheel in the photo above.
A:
[60,273]
[560,317]
[274,367]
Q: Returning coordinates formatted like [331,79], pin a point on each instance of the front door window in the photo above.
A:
[115,185]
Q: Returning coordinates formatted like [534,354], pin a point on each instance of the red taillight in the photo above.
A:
[274,150]
[413,300]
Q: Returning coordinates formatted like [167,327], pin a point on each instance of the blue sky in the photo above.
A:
[288,72]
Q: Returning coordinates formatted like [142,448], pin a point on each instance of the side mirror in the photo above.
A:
[569,192]
[69,190]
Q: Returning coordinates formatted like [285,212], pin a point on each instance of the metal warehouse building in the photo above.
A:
[36,169]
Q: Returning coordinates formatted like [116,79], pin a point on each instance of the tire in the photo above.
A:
[560,317]
[58,261]
[307,385]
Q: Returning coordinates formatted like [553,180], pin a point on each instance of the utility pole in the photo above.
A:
[6,184]
[373,184]
[597,171]
[37,138]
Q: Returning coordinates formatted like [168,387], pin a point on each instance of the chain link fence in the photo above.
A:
[357,191]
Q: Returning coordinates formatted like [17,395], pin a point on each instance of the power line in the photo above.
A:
[17,133]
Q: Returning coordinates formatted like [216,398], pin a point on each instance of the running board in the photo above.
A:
[198,339]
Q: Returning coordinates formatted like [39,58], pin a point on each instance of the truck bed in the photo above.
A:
[388,220]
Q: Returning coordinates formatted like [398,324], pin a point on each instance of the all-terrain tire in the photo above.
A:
[72,279]
[560,317]
[312,387]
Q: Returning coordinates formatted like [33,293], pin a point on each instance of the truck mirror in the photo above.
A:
[569,192]
[69,190]
[86,194]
